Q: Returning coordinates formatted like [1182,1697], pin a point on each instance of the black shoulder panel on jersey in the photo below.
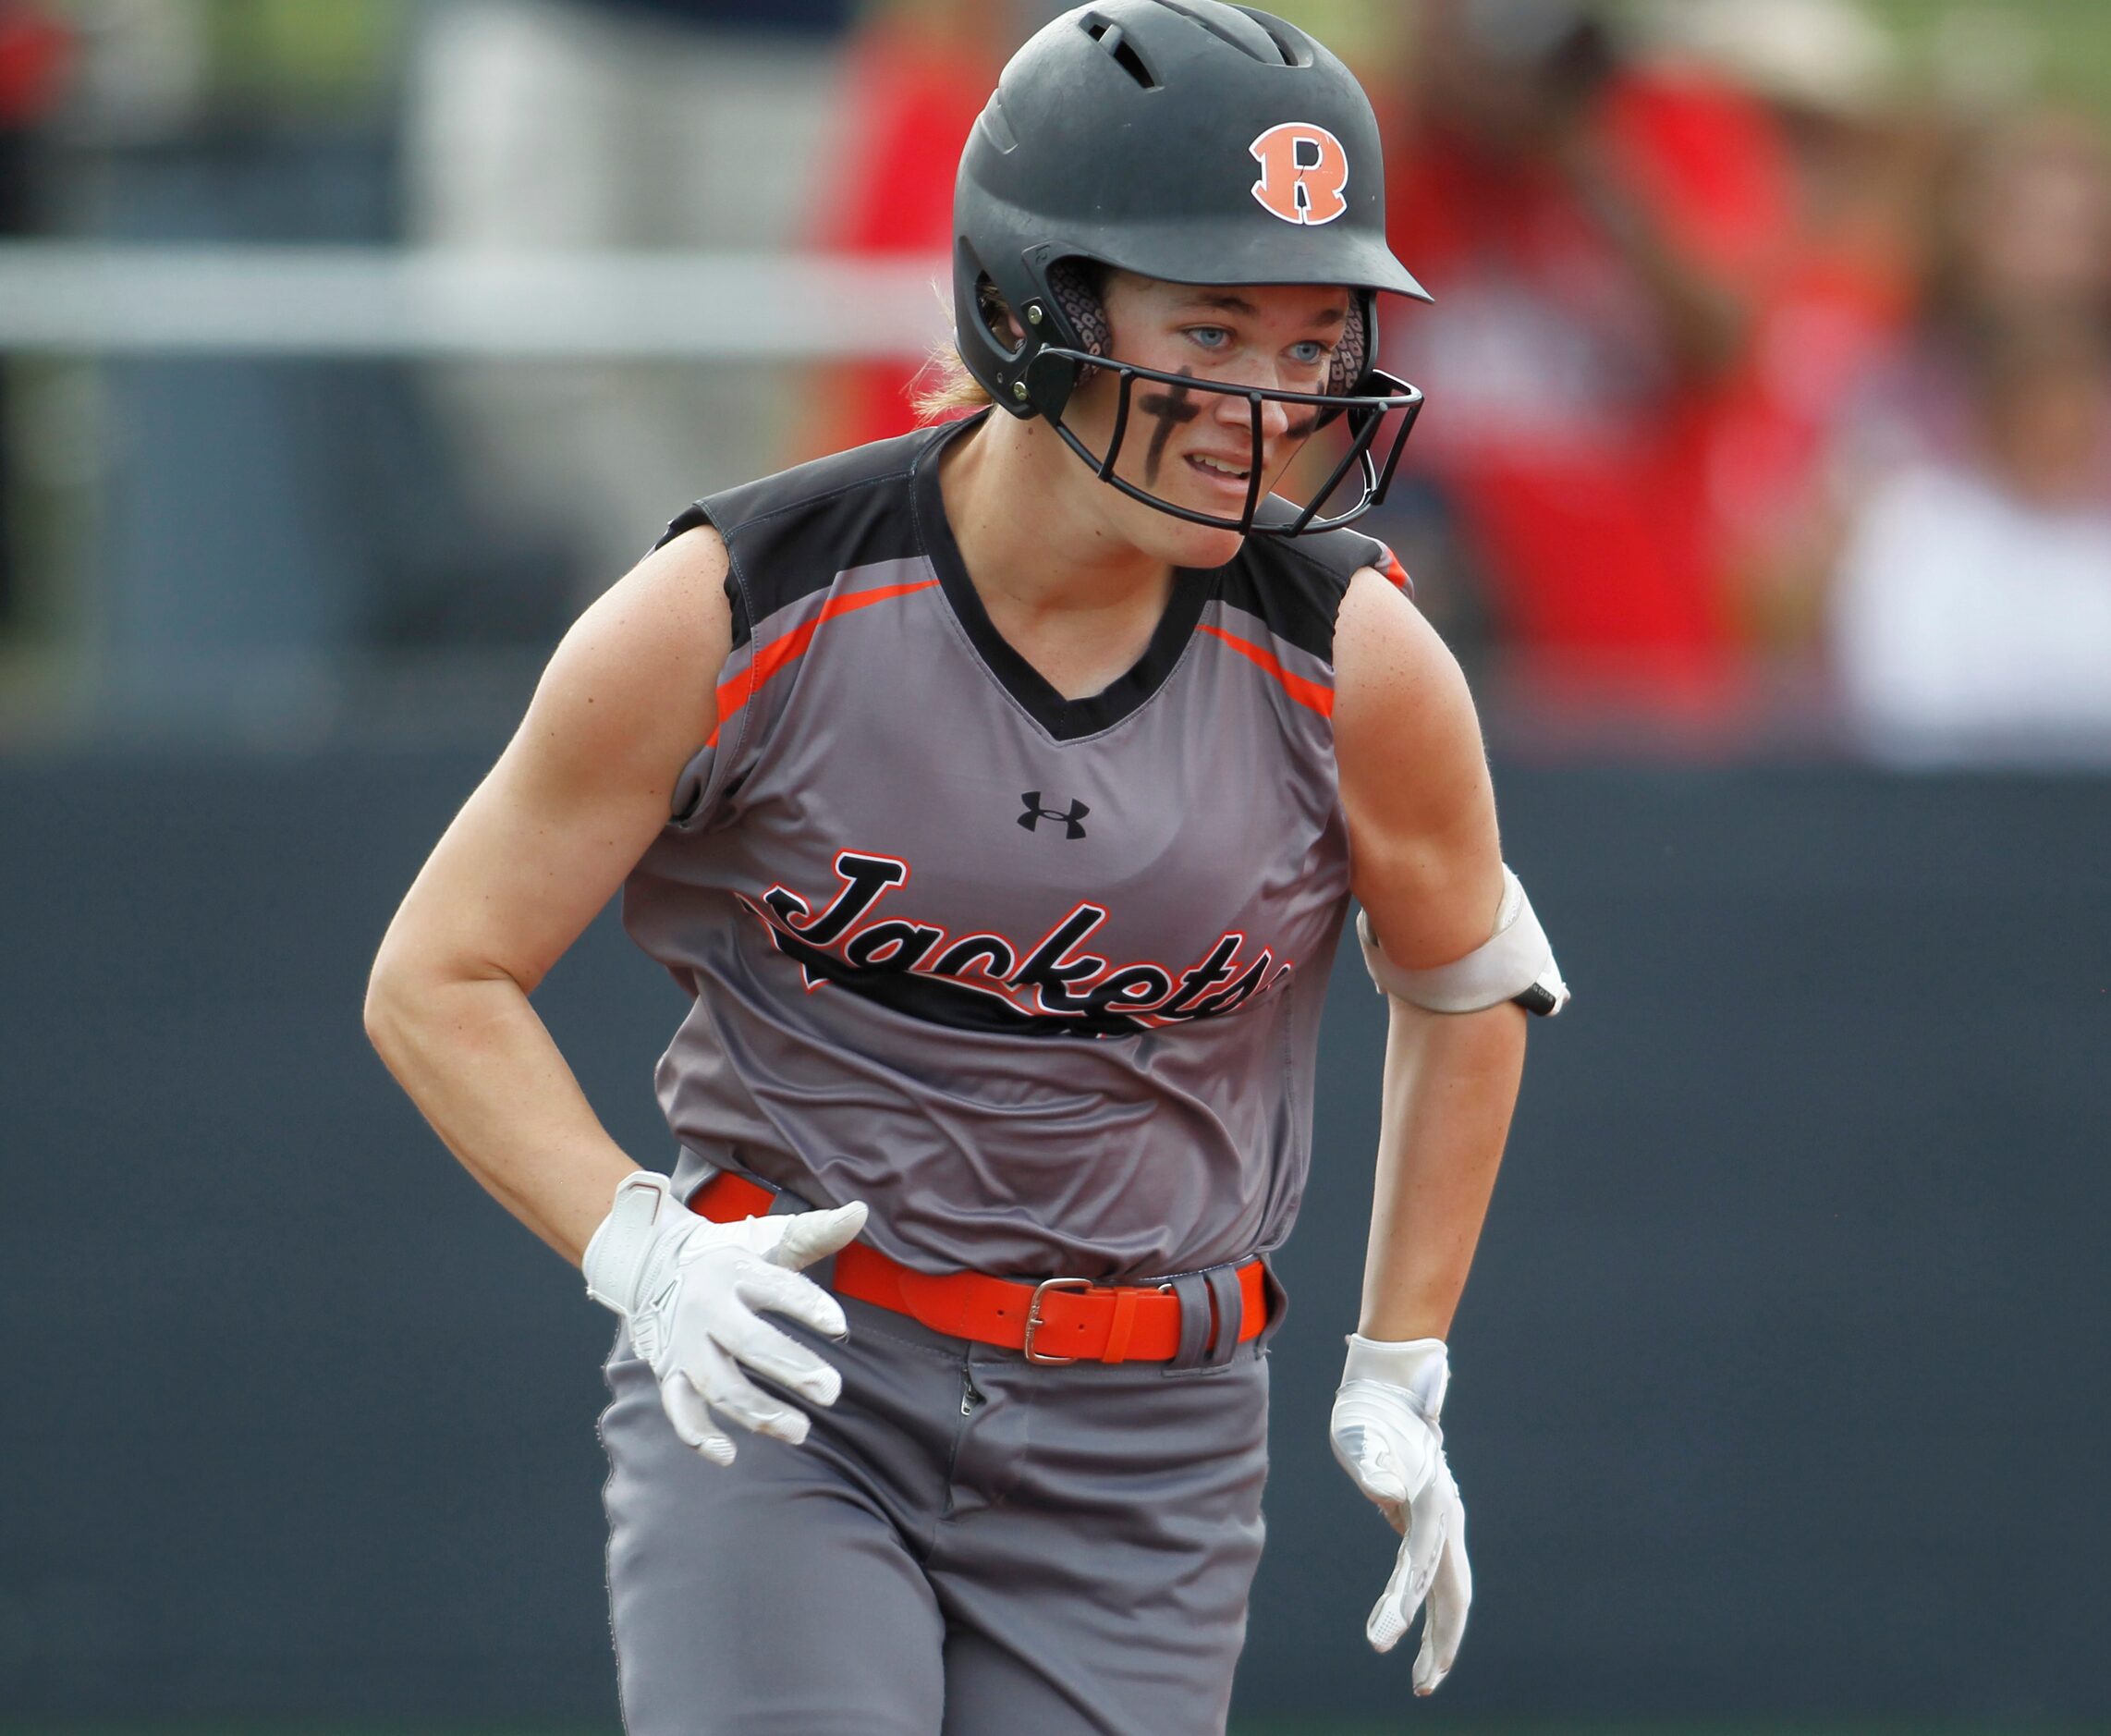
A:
[1296,584]
[790,534]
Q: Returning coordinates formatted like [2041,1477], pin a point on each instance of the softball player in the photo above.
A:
[1000,811]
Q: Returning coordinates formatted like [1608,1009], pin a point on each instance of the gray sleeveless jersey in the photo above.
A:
[1039,979]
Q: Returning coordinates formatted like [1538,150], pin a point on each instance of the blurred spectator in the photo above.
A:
[552,123]
[917,75]
[1972,614]
[1586,223]
[1837,288]
[2023,242]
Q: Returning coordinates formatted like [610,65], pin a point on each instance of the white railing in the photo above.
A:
[375,302]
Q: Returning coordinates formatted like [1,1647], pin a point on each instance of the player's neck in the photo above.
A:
[1081,606]
[1010,492]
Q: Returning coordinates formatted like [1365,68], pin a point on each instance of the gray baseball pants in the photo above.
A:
[966,1544]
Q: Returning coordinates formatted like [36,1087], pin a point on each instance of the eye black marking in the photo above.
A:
[1173,408]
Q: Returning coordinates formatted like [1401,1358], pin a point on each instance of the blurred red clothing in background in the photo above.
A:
[36,49]
[1567,426]
[915,83]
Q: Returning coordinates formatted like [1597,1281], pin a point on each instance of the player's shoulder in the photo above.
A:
[1395,678]
[788,534]
[1296,584]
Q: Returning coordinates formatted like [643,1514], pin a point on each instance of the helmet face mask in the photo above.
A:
[1126,136]
[1365,411]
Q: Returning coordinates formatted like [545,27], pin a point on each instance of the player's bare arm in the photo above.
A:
[1427,868]
[535,852]
[582,789]
[1449,936]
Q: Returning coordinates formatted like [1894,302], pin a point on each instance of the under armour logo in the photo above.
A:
[1072,823]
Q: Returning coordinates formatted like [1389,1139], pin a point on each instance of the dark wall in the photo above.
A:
[1779,1389]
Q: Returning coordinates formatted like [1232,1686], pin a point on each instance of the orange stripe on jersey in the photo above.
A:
[773,657]
[1309,694]
[1393,572]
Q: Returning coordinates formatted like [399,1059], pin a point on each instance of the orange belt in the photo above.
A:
[1057,1320]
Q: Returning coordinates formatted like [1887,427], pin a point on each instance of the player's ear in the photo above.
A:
[997,315]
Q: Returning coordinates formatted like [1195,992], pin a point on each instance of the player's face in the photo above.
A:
[1195,448]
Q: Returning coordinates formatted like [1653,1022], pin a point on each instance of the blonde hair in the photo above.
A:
[943,386]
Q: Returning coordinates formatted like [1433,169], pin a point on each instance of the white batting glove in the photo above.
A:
[690,1289]
[1386,1437]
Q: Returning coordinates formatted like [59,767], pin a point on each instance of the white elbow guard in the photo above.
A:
[1515,963]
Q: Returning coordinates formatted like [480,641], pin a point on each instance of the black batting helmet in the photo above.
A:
[1188,140]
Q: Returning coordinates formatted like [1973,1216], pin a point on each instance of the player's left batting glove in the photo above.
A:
[1386,1437]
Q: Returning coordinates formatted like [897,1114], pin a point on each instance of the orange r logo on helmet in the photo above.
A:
[1303,171]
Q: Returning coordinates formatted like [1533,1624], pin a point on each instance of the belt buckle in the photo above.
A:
[1033,1319]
